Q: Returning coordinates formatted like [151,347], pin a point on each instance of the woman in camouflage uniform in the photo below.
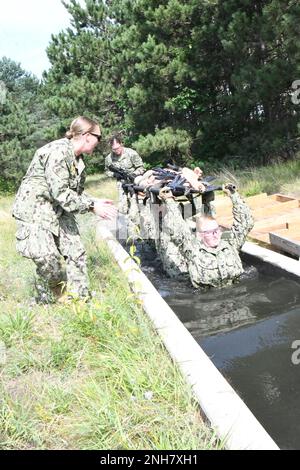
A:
[50,196]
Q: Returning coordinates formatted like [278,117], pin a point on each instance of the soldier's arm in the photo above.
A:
[57,175]
[242,220]
[186,242]
[177,229]
[108,173]
[81,185]
[137,163]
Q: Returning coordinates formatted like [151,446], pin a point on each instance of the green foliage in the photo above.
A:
[22,123]
[210,79]
[85,375]
[198,82]
[165,144]
[16,327]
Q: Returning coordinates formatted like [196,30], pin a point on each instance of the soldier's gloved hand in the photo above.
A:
[105,209]
[229,188]
[165,193]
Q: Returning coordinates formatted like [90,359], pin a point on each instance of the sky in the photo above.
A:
[25,30]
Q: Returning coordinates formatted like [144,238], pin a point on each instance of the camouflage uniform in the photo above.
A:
[147,225]
[45,206]
[172,259]
[211,266]
[129,161]
[133,219]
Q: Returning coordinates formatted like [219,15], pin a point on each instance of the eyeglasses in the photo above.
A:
[99,137]
[214,231]
[96,135]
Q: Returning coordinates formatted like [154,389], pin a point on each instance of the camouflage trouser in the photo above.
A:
[133,219]
[47,251]
[123,205]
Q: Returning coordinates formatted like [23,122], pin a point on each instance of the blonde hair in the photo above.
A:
[80,126]
[201,220]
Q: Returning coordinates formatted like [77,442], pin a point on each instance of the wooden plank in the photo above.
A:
[262,237]
[257,204]
[271,228]
[280,208]
[277,213]
[269,223]
[285,244]
[292,217]
[288,233]
[225,204]
[225,221]
[258,197]
[292,230]
[254,203]
[282,197]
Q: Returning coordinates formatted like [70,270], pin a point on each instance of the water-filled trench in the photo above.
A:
[247,330]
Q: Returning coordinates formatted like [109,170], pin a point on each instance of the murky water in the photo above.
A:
[247,330]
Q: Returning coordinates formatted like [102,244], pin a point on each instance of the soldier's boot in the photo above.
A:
[59,291]
[43,293]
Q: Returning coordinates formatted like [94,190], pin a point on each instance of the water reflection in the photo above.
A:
[258,294]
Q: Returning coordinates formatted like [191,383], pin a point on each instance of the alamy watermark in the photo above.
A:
[296,354]
[3,92]
[296,94]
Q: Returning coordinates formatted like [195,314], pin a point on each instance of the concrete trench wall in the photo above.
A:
[229,416]
[278,260]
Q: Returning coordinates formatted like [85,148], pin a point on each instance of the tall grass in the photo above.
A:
[280,177]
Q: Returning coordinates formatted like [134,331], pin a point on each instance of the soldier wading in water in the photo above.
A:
[50,196]
[211,260]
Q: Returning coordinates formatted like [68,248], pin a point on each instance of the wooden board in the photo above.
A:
[285,244]
[276,217]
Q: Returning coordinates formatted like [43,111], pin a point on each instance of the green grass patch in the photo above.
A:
[279,177]
[87,376]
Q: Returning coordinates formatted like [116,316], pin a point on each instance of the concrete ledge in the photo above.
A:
[276,259]
[227,413]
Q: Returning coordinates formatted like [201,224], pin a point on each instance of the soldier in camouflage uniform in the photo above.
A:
[50,196]
[172,258]
[211,260]
[123,158]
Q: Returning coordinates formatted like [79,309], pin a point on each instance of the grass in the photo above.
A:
[83,376]
[280,177]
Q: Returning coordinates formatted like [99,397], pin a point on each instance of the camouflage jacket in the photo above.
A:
[211,266]
[130,161]
[53,184]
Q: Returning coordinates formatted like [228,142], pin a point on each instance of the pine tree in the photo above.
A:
[21,124]
[203,82]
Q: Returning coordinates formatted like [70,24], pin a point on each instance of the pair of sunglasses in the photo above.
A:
[99,137]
